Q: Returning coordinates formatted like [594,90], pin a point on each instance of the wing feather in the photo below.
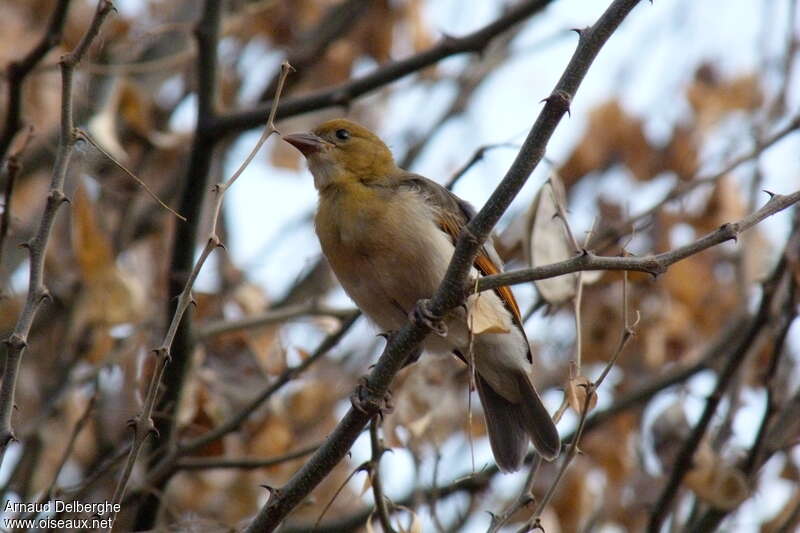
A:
[453,214]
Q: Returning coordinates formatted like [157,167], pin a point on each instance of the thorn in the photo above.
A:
[579,31]
[269,488]
[45,295]
[770,193]
[561,98]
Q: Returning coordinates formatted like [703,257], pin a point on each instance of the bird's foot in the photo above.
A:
[422,314]
[367,400]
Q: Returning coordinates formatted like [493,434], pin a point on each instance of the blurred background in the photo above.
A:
[687,115]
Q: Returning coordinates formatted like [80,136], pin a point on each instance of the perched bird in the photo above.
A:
[389,236]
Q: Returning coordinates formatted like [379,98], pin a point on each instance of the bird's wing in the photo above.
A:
[453,214]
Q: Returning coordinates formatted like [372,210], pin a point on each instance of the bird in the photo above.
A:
[388,235]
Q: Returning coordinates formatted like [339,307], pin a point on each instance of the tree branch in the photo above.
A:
[37,247]
[343,94]
[195,186]
[272,316]
[450,293]
[652,264]
[142,424]
[17,71]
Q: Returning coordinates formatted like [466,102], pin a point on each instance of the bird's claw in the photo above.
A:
[421,314]
[364,399]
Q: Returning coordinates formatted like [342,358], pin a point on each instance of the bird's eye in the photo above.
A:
[342,134]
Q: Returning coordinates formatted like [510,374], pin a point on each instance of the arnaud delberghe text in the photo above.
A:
[60,506]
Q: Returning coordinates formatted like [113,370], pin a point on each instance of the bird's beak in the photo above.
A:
[307,143]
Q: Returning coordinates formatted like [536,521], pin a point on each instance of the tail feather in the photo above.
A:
[510,425]
[506,434]
[537,421]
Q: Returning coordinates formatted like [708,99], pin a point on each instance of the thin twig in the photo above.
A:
[345,93]
[651,264]
[37,247]
[479,481]
[590,392]
[685,187]
[85,135]
[374,470]
[245,463]
[272,316]
[477,156]
[49,492]
[142,424]
[13,166]
[168,465]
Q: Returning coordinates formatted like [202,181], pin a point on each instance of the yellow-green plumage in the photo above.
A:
[389,235]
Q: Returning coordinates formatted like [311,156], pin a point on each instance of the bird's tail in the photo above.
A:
[511,425]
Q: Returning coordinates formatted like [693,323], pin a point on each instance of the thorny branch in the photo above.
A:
[450,293]
[653,264]
[18,71]
[345,93]
[37,247]
[480,480]
[142,424]
[12,167]
[168,465]
[681,189]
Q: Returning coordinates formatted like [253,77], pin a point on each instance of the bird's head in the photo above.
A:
[340,152]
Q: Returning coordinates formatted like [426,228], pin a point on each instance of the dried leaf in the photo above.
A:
[109,297]
[612,136]
[309,404]
[712,98]
[366,485]
[486,316]
[548,241]
[717,483]
[274,437]
[91,244]
[415,526]
[263,341]
[577,388]
[420,425]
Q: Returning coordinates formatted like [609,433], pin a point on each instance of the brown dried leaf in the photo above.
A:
[612,136]
[314,401]
[415,526]
[717,483]
[485,316]
[576,390]
[91,244]
[712,98]
[262,341]
[108,297]
[273,437]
